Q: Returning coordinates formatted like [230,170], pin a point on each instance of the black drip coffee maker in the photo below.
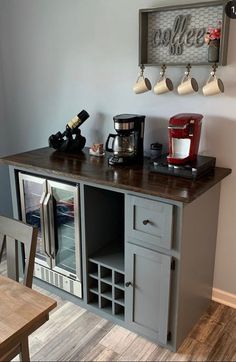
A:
[127,144]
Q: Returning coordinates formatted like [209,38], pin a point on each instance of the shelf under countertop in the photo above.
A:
[111,256]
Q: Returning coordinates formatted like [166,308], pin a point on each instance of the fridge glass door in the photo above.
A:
[32,193]
[64,229]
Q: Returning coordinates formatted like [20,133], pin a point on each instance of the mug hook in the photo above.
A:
[214,68]
[163,70]
[142,67]
[188,67]
[141,73]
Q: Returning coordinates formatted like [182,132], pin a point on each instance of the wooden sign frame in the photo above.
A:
[148,56]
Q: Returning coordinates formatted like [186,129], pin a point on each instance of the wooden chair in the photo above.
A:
[12,231]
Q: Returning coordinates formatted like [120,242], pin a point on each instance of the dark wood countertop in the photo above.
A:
[132,178]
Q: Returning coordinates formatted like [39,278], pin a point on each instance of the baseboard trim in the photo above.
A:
[223,297]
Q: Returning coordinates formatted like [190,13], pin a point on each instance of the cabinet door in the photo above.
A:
[63,224]
[147,291]
[32,195]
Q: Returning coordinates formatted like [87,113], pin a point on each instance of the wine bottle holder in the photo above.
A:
[106,289]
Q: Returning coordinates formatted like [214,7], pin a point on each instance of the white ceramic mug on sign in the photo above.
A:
[142,85]
[188,85]
[164,85]
[213,86]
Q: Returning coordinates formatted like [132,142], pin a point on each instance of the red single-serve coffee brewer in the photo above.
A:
[184,137]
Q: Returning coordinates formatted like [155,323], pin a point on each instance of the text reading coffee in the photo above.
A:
[179,36]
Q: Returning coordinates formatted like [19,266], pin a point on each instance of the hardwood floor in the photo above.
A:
[74,334]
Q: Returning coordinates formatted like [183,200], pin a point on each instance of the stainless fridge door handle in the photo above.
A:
[42,219]
[46,221]
[51,227]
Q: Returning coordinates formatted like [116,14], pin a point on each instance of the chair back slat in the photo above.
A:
[12,258]
[12,231]
[2,245]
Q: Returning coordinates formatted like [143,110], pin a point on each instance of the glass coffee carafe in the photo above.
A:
[122,144]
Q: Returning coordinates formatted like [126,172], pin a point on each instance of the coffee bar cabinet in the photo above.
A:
[133,246]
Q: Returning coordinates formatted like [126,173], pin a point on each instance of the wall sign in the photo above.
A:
[177,35]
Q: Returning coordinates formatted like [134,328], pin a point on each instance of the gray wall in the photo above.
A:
[5,198]
[59,56]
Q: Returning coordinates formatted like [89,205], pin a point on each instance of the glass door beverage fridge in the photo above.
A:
[54,208]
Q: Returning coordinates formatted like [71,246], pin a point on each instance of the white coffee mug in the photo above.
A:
[188,85]
[164,85]
[213,86]
[142,85]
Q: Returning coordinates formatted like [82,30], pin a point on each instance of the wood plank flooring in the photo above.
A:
[74,334]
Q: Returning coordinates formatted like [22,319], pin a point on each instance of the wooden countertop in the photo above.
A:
[132,178]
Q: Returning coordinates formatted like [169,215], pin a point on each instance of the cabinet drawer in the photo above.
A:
[149,221]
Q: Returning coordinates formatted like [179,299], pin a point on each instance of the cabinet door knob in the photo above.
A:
[128,284]
[145,222]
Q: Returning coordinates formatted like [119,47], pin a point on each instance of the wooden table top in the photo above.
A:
[136,178]
[21,309]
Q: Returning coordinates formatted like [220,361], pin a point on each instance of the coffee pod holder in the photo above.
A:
[142,84]
[213,85]
[164,84]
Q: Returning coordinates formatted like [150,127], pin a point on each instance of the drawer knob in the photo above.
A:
[128,284]
[145,222]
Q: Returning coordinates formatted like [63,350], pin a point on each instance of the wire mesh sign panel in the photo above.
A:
[178,35]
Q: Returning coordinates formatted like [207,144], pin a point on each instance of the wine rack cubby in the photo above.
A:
[106,288]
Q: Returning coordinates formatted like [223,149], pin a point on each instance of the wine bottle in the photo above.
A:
[78,120]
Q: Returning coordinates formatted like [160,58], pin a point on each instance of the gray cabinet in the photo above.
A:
[125,236]
[147,276]
[149,228]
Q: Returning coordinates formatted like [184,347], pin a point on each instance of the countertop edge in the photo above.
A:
[78,177]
